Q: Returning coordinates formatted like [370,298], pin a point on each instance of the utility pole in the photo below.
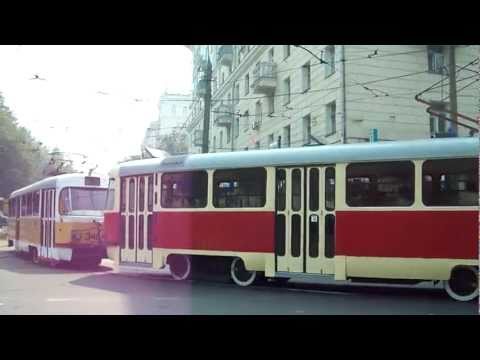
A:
[453,87]
[207,100]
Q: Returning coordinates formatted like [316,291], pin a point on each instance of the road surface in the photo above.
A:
[26,288]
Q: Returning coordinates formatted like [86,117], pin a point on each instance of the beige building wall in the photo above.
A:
[387,105]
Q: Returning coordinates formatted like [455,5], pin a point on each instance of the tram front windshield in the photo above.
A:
[82,201]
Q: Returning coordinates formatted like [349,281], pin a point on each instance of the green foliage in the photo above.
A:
[23,160]
[174,143]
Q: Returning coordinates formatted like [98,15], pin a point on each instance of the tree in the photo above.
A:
[22,158]
[174,143]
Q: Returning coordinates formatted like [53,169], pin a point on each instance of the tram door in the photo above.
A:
[137,216]
[47,239]
[305,219]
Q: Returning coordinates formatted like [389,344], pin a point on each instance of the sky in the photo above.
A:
[68,109]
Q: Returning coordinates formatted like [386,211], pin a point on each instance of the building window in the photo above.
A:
[286,51]
[270,55]
[380,184]
[271,104]
[331,110]
[307,129]
[286,90]
[237,93]
[452,182]
[436,59]
[286,136]
[184,190]
[306,77]
[438,125]
[214,143]
[221,141]
[236,127]
[246,121]
[257,145]
[258,114]
[228,135]
[239,188]
[270,141]
[247,84]
[330,59]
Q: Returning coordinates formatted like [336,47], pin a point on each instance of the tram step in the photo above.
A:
[140,268]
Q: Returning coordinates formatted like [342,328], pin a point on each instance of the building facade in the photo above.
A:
[266,96]
[173,110]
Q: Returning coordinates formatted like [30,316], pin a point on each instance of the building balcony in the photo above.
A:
[264,78]
[223,115]
[225,55]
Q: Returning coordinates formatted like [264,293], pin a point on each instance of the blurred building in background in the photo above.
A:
[173,113]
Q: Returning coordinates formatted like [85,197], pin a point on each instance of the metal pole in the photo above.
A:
[344,96]
[453,87]
[208,99]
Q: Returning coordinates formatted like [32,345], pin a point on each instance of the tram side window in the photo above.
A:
[380,184]
[36,203]
[111,195]
[184,190]
[29,204]
[24,205]
[452,182]
[239,188]
[123,195]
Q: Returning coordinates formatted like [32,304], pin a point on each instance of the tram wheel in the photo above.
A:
[463,284]
[240,275]
[180,266]
[34,255]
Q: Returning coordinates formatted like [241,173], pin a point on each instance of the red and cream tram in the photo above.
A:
[391,211]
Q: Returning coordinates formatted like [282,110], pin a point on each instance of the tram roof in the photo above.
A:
[58,181]
[326,154]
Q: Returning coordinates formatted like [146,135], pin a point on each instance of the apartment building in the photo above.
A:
[266,96]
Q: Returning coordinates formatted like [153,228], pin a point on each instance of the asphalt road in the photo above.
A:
[26,288]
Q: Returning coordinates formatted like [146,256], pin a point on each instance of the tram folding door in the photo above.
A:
[136,212]
[47,240]
[305,219]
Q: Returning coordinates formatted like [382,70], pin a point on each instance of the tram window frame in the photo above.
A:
[369,196]
[281,188]
[150,193]
[314,189]
[123,195]
[110,198]
[141,194]
[23,207]
[196,198]
[330,188]
[36,203]
[29,204]
[296,190]
[465,167]
[131,195]
[249,188]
